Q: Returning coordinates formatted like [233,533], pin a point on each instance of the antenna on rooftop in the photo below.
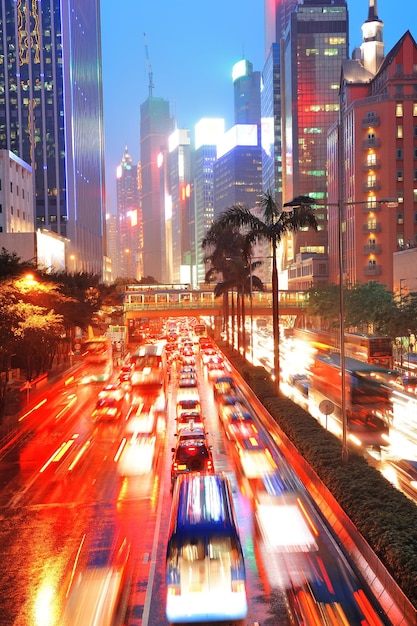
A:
[149,67]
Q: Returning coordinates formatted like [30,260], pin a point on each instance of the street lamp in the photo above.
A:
[402,280]
[391,203]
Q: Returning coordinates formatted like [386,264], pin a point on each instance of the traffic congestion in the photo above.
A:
[179,506]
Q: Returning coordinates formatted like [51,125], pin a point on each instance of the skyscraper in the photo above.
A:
[51,115]
[207,134]
[316,44]
[156,125]
[182,234]
[129,219]
[277,15]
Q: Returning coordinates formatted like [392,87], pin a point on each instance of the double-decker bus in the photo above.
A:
[205,571]
[373,349]
[97,354]
[368,397]
[149,366]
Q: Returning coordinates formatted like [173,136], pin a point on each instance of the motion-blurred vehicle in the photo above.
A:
[125,373]
[107,410]
[207,354]
[215,369]
[205,570]
[187,379]
[254,457]
[224,385]
[98,594]
[115,391]
[191,432]
[192,455]
[406,383]
[236,412]
[189,419]
[187,404]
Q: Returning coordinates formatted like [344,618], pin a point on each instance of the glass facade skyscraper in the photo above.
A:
[51,115]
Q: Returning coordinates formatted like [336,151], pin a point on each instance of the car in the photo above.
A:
[187,369]
[115,391]
[406,383]
[187,380]
[107,410]
[125,373]
[223,385]
[191,432]
[215,369]
[192,455]
[207,354]
[187,404]
[189,419]
[234,413]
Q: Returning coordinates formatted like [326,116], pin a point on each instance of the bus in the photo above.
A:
[149,366]
[369,407]
[97,354]
[373,349]
[205,570]
[200,330]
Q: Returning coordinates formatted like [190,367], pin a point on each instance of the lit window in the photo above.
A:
[399,109]
[399,132]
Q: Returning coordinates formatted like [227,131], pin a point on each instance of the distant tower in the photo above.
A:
[208,131]
[180,184]
[247,92]
[129,219]
[156,125]
[52,116]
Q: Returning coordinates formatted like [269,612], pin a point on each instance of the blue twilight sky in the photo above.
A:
[192,47]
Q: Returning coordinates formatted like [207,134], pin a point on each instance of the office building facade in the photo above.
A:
[372,157]
[156,125]
[51,116]
[129,219]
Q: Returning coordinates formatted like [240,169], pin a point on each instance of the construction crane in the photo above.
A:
[149,67]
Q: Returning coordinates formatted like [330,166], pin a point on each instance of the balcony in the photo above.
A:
[370,121]
[371,227]
[372,249]
[371,207]
[366,166]
[374,270]
[371,185]
[371,142]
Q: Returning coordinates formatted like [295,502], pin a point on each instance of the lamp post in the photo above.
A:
[392,203]
[402,280]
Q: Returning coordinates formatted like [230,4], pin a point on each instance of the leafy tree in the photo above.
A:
[11,264]
[369,307]
[323,303]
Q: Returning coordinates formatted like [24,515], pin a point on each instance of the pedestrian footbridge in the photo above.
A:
[152,301]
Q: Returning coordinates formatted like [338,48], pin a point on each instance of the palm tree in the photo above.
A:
[276,223]
[230,256]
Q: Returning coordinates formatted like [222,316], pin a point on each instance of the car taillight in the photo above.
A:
[175,466]
[238,586]
[209,465]
[173,590]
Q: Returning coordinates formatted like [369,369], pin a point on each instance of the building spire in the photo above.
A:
[372,48]
[373,11]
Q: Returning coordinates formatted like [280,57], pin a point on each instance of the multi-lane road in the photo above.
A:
[75,502]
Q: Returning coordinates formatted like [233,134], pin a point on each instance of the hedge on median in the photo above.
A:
[385,517]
